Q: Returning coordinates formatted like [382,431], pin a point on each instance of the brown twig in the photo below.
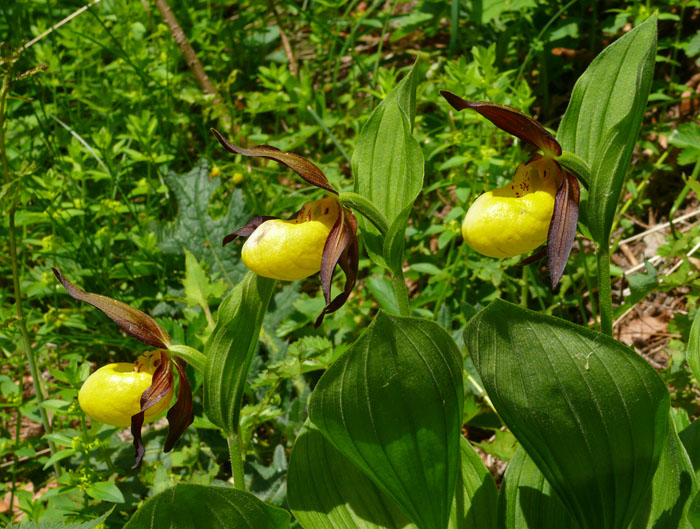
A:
[293,67]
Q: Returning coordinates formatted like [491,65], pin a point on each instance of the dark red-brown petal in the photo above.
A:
[511,120]
[562,229]
[247,230]
[160,386]
[304,168]
[132,321]
[180,416]
[341,248]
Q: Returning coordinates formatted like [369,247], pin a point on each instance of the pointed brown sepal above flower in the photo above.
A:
[304,168]
[160,386]
[248,229]
[511,120]
[180,416]
[341,248]
[132,321]
[562,229]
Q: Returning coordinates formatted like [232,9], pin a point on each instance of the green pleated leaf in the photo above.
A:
[690,437]
[326,491]
[668,500]
[197,506]
[692,355]
[476,496]
[604,115]
[527,500]
[392,404]
[230,349]
[590,412]
[388,161]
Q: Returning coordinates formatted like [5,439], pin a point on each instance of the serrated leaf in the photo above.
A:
[196,231]
[392,404]
[188,506]
[589,411]
[229,350]
[198,288]
[528,501]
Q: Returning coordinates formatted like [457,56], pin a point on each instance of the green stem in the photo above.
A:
[604,289]
[366,208]
[31,360]
[189,355]
[235,450]
[401,292]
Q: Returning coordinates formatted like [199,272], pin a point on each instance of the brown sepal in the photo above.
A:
[511,120]
[341,248]
[160,385]
[304,168]
[562,229]
[180,416]
[247,230]
[132,321]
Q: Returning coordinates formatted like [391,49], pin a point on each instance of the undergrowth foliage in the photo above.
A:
[352,280]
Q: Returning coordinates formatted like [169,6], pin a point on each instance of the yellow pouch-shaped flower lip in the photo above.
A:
[112,394]
[515,218]
[292,249]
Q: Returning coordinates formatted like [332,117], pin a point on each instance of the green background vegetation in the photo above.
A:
[119,178]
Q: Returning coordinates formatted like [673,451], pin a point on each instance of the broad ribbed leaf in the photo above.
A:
[230,349]
[388,161]
[604,115]
[188,506]
[527,500]
[326,491]
[690,437]
[392,404]
[589,411]
[672,490]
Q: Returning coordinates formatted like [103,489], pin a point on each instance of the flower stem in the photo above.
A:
[401,292]
[31,360]
[189,355]
[604,288]
[235,449]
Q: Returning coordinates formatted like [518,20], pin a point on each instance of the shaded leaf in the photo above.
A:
[527,500]
[589,411]
[692,355]
[392,405]
[132,321]
[195,230]
[188,506]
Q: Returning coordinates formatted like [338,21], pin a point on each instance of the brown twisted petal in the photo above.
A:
[159,388]
[304,168]
[511,120]
[180,416]
[341,248]
[562,229]
[132,321]
[247,230]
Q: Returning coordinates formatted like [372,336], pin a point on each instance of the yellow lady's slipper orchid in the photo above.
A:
[292,249]
[320,236]
[112,394]
[540,205]
[126,394]
[514,219]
